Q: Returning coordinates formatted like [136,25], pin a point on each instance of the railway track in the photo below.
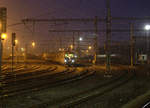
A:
[26,74]
[39,83]
[79,98]
[96,92]
[9,76]
[6,68]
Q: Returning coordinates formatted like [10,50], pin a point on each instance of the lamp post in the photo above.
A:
[33,46]
[3,36]
[147,28]
[16,48]
[80,39]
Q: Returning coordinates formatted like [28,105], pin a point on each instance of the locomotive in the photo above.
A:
[67,58]
[70,58]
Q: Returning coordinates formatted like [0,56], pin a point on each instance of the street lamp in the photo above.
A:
[79,52]
[71,46]
[90,47]
[147,28]
[33,44]
[3,36]
[59,49]
[16,41]
[80,39]
[16,48]
[22,49]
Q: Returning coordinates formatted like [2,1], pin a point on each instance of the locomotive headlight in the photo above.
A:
[73,61]
[65,60]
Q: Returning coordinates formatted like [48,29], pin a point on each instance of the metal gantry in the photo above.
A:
[107,20]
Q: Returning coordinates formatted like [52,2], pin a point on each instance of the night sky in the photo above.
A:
[74,8]
[19,9]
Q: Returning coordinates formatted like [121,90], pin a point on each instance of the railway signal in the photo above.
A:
[13,44]
[13,39]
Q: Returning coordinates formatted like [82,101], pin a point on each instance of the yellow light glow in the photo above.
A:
[16,41]
[60,49]
[3,36]
[22,49]
[33,44]
[23,54]
[71,46]
[90,47]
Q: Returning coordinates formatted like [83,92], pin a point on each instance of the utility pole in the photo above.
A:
[78,49]
[147,49]
[13,44]
[60,42]
[25,56]
[96,39]
[17,54]
[73,39]
[131,45]
[108,38]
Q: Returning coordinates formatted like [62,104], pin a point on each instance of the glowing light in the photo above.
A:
[65,60]
[90,47]
[3,36]
[75,56]
[80,39]
[71,46]
[44,55]
[22,49]
[16,41]
[33,44]
[59,49]
[147,27]
[73,61]
[23,54]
